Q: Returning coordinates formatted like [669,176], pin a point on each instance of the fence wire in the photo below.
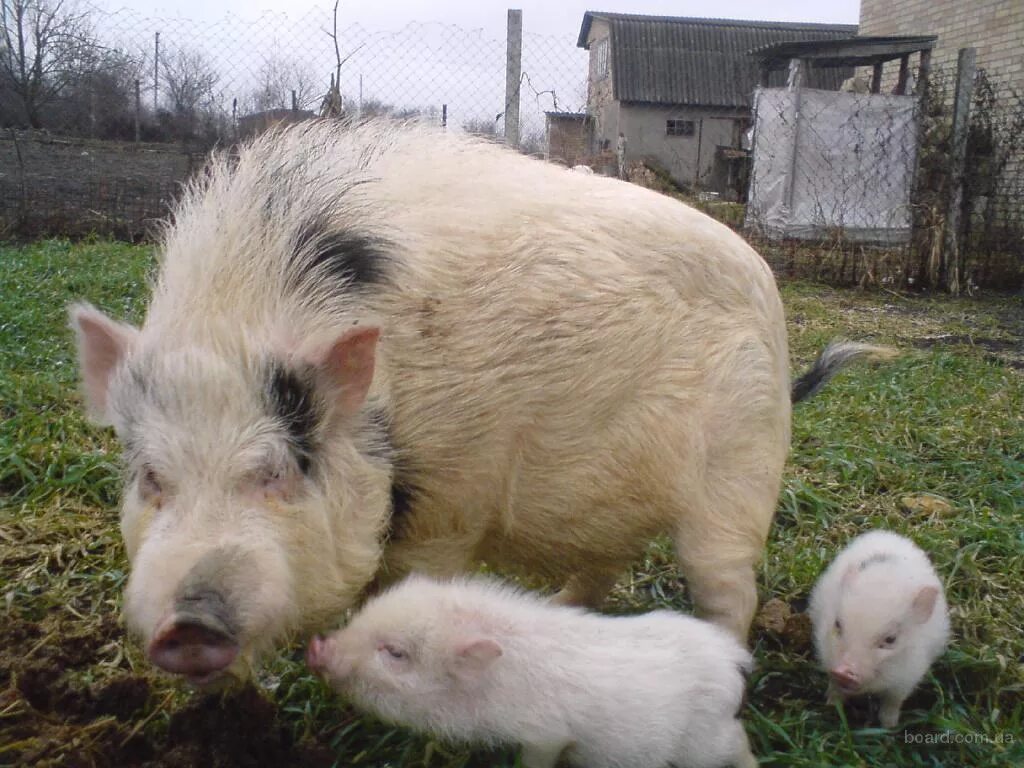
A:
[132,109]
[864,182]
[115,109]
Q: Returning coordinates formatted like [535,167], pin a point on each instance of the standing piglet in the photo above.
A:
[879,619]
[478,661]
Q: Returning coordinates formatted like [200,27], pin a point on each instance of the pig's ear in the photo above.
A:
[924,604]
[474,655]
[348,364]
[849,575]
[102,346]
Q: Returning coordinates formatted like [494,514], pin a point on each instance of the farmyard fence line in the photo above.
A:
[142,101]
[136,110]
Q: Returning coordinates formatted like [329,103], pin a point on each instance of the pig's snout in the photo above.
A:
[845,677]
[196,646]
[316,654]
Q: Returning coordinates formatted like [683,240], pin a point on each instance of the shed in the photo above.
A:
[835,162]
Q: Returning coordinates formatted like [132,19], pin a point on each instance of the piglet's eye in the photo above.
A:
[888,641]
[838,626]
[393,652]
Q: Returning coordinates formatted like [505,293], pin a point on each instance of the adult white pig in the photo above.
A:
[379,349]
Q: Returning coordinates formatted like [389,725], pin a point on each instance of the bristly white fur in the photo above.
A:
[870,589]
[569,365]
[607,692]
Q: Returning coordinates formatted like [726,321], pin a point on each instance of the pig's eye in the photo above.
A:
[271,476]
[149,483]
[839,627]
[395,653]
[888,641]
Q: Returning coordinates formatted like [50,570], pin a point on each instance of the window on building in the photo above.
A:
[679,127]
[601,58]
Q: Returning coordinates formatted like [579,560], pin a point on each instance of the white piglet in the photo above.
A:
[880,620]
[480,662]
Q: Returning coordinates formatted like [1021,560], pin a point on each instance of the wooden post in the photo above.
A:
[917,191]
[795,80]
[901,82]
[513,75]
[876,77]
[965,67]
[924,71]
[795,85]
[700,138]
[444,117]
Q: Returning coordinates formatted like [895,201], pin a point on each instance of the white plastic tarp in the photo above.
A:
[826,161]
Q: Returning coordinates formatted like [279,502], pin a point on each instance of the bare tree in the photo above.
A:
[188,79]
[332,105]
[278,79]
[46,45]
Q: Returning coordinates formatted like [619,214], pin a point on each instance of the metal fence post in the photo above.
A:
[138,110]
[513,75]
[957,154]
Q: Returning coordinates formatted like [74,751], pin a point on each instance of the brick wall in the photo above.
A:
[568,139]
[994,27]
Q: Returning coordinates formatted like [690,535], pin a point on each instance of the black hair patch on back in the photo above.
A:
[353,260]
[291,398]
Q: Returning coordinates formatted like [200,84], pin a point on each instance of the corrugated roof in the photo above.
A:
[700,62]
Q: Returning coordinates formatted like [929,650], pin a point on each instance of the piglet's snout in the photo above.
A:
[193,642]
[845,677]
[316,654]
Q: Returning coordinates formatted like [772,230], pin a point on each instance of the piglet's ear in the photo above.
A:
[348,364]
[849,575]
[924,604]
[474,656]
[102,346]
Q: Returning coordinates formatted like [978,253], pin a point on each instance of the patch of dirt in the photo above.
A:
[786,623]
[52,719]
[1008,352]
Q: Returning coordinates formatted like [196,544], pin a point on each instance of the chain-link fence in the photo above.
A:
[865,187]
[126,105]
[105,115]
[832,163]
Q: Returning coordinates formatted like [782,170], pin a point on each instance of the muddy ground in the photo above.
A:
[51,716]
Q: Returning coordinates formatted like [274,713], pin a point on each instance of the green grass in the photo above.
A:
[946,420]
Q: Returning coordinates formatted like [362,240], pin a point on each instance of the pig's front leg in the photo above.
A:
[542,755]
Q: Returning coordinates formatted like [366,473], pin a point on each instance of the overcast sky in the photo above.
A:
[445,54]
[549,17]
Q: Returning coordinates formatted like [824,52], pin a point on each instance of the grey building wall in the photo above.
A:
[690,160]
[600,104]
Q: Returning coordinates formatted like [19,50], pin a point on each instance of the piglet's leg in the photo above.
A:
[744,757]
[832,695]
[541,755]
[889,713]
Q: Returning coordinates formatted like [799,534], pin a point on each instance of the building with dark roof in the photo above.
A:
[678,90]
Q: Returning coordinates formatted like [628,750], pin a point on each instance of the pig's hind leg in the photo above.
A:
[719,539]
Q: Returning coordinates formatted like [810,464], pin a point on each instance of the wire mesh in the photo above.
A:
[131,112]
